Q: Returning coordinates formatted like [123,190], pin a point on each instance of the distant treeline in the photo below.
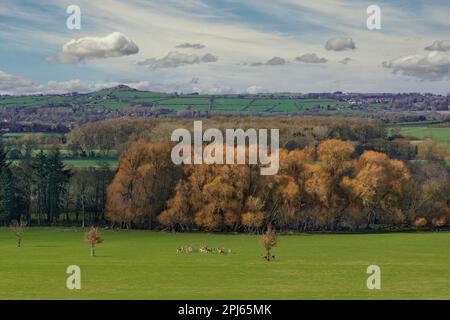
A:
[295,133]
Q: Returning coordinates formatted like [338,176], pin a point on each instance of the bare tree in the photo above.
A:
[18,228]
[92,238]
[268,241]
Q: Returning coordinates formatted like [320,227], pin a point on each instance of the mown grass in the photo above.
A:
[145,265]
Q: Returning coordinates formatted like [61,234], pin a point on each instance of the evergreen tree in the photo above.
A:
[4,185]
[57,180]
[8,196]
[39,179]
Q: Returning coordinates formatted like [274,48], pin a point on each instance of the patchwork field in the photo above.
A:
[123,97]
[145,265]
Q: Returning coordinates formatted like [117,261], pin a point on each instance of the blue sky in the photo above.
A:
[226,46]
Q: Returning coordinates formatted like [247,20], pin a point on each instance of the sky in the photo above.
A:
[224,46]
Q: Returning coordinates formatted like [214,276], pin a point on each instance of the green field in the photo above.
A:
[123,97]
[91,162]
[437,133]
[24,134]
[145,265]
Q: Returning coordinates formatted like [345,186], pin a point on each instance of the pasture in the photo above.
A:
[440,134]
[145,265]
[118,98]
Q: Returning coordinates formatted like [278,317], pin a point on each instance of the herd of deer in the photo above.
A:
[202,249]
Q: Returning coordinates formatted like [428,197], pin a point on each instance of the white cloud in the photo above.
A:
[113,45]
[340,44]
[176,59]
[255,90]
[15,85]
[188,45]
[311,58]
[10,83]
[18,85]
[439,45]
[432,66]
[160,25]
[346,60]
[275,61]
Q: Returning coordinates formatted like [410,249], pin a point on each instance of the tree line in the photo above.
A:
[42,190]
[325,188]
[327,185]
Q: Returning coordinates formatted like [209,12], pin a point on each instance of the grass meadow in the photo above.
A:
[439,134]
[145,265]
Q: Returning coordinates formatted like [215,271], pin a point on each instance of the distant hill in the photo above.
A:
[122,97]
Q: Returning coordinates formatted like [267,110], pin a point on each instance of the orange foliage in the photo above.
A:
[144,182]
[307,193]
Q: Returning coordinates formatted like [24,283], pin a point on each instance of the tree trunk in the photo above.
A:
[92,251]
[84,213]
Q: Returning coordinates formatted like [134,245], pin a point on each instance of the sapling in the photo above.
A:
[92,238]
[18,228]
[268,241]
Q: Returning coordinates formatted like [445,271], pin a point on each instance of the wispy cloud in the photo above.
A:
[188,45]
[275,61]
[439,45]
[311,58]
[235,31]
[176,59]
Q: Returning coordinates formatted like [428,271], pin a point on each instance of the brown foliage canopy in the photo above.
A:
[323,188]
[143,183]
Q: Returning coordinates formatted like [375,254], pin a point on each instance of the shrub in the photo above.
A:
[420,222]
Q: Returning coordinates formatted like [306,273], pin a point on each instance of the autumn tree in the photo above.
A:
[377,188]
[268,241]
[428,193]
[254,216]
[178,214]
[92,238]
[218,195]
[322,183]
[145,180]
